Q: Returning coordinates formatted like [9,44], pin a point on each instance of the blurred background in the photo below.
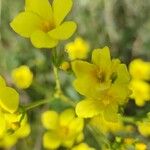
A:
[123,25]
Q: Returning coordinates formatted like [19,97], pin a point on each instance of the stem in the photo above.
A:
[58,87]
[129,120]
[36,104]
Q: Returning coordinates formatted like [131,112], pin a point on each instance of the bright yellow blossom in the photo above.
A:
[140,91]
[43,22]
[140,146]
[104,83]
[63,129]
[83,146]
[144,127]
[140,69]
[77,49]
[9,98]
[13,129]
[22,77]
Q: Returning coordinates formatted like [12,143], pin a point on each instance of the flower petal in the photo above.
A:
[66,117]
[2,124]
[76,126]
[87,108]
[60,14]
[42,40]
[40,7]
[51,140]
[64,31]
[110,113]
[101,57]
[50,119]
[9,99]
[26,23]
[82,68]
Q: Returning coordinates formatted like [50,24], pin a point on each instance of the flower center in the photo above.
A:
[63,131]
[47,26]
[100,76]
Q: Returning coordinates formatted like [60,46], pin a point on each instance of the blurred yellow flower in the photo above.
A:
[77,49]
[144,127]
[140,91]
[82,146]
[140,146]
[11,134]
[63,129]
[140,69]
[104,83]
[22,77]
[43,22]
[9,98]
[65,66]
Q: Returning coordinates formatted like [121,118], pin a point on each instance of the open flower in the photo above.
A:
[43,22]
[140,91]
[104,83]
[63,129]
[9,98]
[12,129]
[22,77]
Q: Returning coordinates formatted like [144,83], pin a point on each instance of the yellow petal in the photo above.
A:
[2,82]
[51,140]
[68,142]
[40,7]
[76,125]
[50,119]
[122,74]
[26,23]
[2,125]
[101,57]
[42,40]
[23,131]
[82,68]
[9,99]
[64,31]
[110,113]
[66,117]
[87,108]
[61,8]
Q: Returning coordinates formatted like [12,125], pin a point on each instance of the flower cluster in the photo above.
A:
[11,126]
[104,82]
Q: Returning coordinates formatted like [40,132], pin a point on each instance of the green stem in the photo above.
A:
[36,104]
[58,87]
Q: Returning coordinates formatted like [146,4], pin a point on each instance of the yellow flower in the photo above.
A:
[9,98]
[65,66]
[13,129]
[140,146]
[144,127]
[22,77]
[63,129]
[104,83]
[140,69]
[140,91]
[82,146]
[43,22]
[77,49]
